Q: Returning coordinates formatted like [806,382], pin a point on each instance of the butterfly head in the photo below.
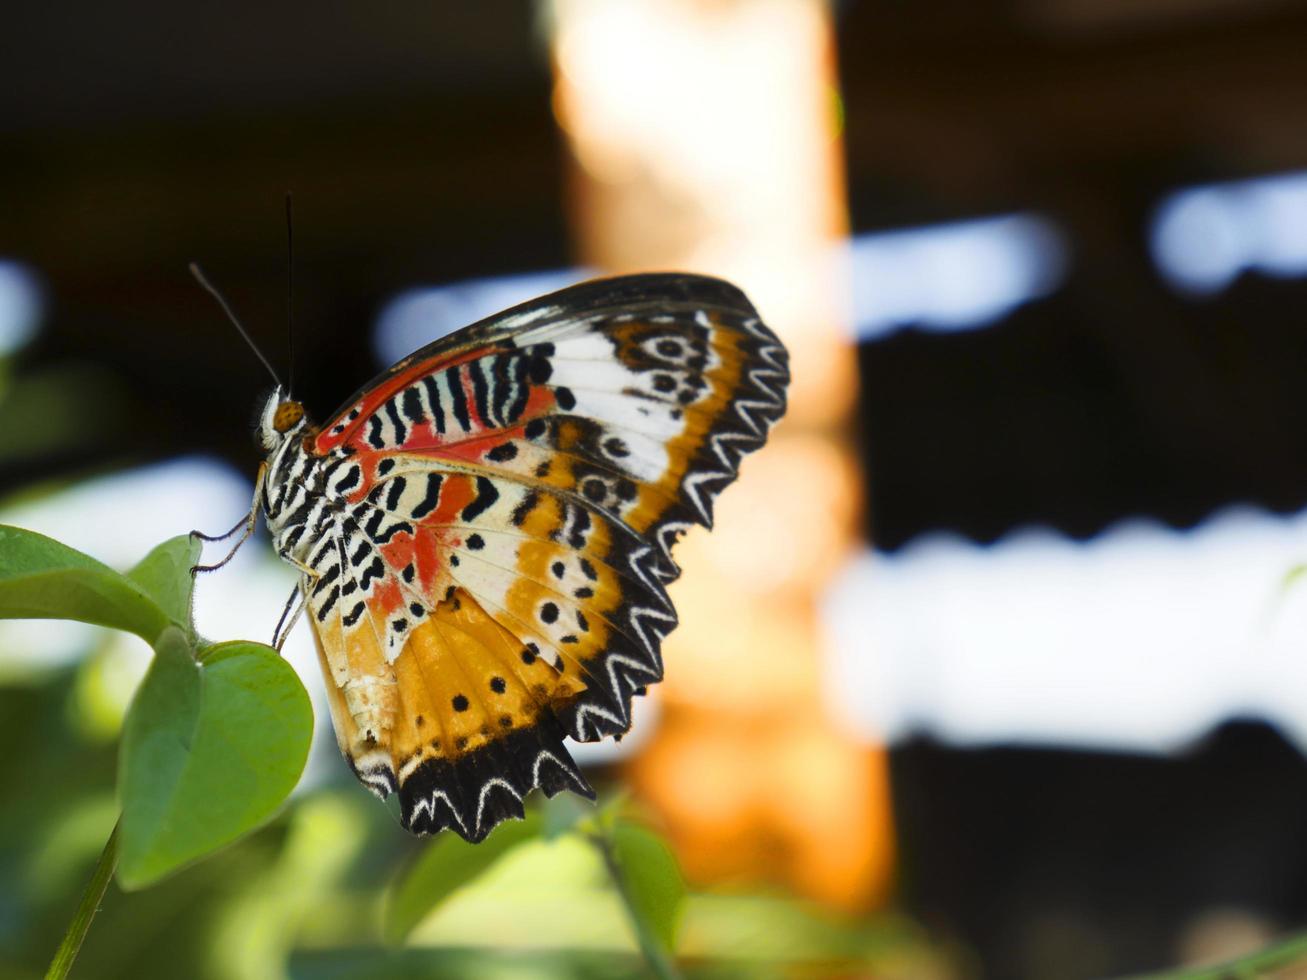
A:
[281,418]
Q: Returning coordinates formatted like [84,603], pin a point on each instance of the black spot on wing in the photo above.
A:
[480,390]
[524,507]
[430,499]
[352,617]
[486,496]
[458,397]
[401,430]
[374,571]
[399,527]
[324,582]
[412,403]
[579,526]
[433,397]
[396,491]
[328,603]
[509,390]
[327,546]
[541,369]
[350,481]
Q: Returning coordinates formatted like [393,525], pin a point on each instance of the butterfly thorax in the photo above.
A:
[294,502]
[294,478]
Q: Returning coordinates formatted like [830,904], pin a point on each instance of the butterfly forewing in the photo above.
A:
[501,509]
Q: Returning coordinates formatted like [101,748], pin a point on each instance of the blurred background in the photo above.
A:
[996,664]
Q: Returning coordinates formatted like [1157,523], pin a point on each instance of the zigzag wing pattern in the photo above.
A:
[503,507]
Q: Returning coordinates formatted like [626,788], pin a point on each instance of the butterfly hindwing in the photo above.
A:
[505,502]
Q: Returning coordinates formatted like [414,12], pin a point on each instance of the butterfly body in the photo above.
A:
[484,532]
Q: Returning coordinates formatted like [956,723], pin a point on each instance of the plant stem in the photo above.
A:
[1254,965]
[90,904]
[658,958]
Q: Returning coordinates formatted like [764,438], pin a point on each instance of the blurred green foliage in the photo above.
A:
[330,889]
[652,879]
[445,866]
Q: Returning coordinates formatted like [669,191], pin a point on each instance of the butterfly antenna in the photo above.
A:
[212,290]
[290,299]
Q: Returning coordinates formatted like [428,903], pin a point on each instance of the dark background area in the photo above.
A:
[1087,864]
[134,142]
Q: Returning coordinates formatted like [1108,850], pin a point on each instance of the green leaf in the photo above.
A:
[562,813]
[601,819]
[165,576]
[210,750]
[1292,579]
[445,866]
[652,879]
[43,579]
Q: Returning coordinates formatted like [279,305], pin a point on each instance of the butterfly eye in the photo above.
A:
[288,413]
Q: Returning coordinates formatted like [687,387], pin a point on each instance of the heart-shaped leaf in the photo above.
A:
[211,748]
[445,866]
[43,579]
[652,879]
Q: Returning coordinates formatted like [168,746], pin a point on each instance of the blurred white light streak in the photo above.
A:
[118,518]
[418,316]
[955,276]
[20,305]
[1141,639]
[1203,237]
[944,277]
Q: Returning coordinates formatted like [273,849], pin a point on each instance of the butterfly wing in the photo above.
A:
[511,495]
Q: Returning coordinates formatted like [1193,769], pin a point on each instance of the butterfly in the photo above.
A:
[484,531]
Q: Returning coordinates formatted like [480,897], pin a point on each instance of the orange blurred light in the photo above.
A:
[705,136]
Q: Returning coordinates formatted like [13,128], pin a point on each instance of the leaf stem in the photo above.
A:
[1254,965]
[90,904]
[658,958]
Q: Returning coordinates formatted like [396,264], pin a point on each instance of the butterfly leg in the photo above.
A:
[301,592]
[247,522]
[245,519]
[279,634]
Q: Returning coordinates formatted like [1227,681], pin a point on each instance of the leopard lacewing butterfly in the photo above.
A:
[484,532]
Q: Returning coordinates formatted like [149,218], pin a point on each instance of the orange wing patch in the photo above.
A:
[464,697]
